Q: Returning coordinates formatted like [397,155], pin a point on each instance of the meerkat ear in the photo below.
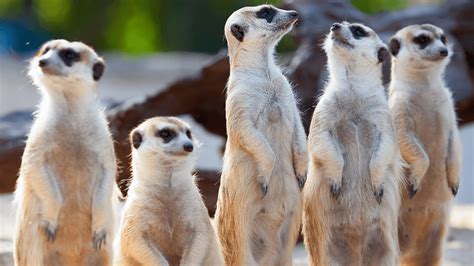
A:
[382,54]
[136,139]
[394,46]
[238,32]
[98,70]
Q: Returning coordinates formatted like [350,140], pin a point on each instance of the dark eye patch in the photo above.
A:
[358,32]
[422,40]
[266,13]
[46,50]
[166,134]
[188,134]
[443,39]
[69,56]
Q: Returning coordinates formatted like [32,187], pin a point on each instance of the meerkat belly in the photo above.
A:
[358,137]
[174,230]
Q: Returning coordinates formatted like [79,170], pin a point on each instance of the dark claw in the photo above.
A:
[378,195]
[412,190]
[335,190]
[301,181]
[263,186]
[99,240]
[50,232]
[454,190]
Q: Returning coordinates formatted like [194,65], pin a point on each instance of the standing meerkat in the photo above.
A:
[165,221]
[351,198]
[265,162]
[67,176]
[425,121]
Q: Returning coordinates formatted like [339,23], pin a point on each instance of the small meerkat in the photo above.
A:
[165,221]
[425,122]
[66,186]
[258,213]
[351,199]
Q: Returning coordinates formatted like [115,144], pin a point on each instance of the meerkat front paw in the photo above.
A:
[378,193]
[50,228]
[301,181]
[99,239]
[335,188]
[263,185]
[412,189]
[454,189]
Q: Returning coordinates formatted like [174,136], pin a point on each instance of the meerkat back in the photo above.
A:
[423,112]
[67,176]
[351,198]
[165,221]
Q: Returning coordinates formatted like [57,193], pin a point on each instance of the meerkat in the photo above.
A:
[67,177]
[425,122]
[165,221]
[258,212]
[351,199]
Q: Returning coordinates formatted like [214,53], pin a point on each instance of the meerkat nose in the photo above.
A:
[188,147]
[294,14]
[443,52]
[335,27]
[43,62]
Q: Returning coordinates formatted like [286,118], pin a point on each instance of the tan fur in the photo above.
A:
[67,174]
[422,109]
[165,221]
[259,205]
[353,159]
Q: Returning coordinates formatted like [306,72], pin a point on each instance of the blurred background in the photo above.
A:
[168,57]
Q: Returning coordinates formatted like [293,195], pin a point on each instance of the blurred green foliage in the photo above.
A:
[143,26]
[374,6]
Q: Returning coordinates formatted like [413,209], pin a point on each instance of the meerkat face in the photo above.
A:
[258,25]
[354,42]
[164,138]
[60,61]
[420,45]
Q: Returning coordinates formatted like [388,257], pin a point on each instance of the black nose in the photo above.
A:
[335,26]
[43,62]
[294,14]
[188,147]
[443,52]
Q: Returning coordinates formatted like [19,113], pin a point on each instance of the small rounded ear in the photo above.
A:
[98,70]
[382,54]
[238,31]
[394,46]
[136,139]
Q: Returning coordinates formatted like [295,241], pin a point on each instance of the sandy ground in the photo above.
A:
[128,78]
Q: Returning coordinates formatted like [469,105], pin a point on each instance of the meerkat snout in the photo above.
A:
[355,42]
[420,46]
[259,25]
[60,61]
[167,136]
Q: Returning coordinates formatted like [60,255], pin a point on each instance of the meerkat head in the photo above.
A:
[354,45]
[258,27]
[60,64]
[164,140]
[420,47]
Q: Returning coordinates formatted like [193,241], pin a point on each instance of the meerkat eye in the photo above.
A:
[358,32]
[166,134]
[69,56]
[46,50]
[266,13]
[444,40]
[422,40]
[188,134]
